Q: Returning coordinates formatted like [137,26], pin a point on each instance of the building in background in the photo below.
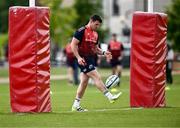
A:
[118,13]
[159,5]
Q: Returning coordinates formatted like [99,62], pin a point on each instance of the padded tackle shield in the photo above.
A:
[148,60]
[29,59]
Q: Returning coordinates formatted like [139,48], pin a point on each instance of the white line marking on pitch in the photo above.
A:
[104,110]
[95,110]
[115,109]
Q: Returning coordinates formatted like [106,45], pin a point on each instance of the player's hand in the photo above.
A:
[108,60]
[81,61]
[108,55]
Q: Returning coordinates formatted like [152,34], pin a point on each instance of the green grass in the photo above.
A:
[114,115]
[3,40]
[4,72]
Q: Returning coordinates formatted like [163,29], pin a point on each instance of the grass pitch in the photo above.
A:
[101,113]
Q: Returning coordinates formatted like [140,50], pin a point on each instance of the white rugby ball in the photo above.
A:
[112,81]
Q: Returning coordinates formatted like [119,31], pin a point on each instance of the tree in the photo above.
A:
[4,10]
[61,21]
[173,12]
[86,8]
[4,7]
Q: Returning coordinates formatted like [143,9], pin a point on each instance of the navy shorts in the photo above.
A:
[90,65]
[116,62]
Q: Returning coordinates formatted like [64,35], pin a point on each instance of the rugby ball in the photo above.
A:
[112,81]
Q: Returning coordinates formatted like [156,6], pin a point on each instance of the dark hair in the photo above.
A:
[114,34]
[96,18]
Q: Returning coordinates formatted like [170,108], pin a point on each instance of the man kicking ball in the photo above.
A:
[85,46]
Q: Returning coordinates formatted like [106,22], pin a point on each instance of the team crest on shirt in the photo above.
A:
[90,66]
[84,70]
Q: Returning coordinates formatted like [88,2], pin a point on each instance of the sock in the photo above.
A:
[108,94]
[77,102]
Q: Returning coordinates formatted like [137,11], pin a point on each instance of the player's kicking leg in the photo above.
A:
[100,85]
